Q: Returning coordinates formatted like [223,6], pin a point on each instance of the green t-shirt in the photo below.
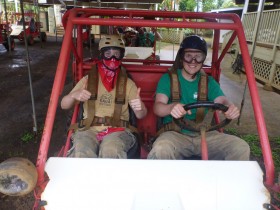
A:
[142,39]
[189,91]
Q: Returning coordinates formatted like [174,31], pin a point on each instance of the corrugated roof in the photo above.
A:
[255,1]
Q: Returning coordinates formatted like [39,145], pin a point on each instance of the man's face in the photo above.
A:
[111,58]
[141,31]
[192,60]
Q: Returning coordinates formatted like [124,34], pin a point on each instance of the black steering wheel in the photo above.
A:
[187,124]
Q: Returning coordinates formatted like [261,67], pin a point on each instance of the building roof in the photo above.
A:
[237,10]
[253,4]
[117,4]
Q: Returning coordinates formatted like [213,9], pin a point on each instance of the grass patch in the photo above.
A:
[31,136]
[27,137]
[254,143]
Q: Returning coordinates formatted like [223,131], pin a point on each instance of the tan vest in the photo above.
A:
[105,102]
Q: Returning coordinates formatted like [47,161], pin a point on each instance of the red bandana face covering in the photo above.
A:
[108,77]
[111,64]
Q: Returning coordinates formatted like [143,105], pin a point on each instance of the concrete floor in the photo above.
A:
[234,86]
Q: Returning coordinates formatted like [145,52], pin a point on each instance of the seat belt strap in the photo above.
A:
[92,87]
[85,124]
[202,95]
[175,97]
[175,93]
[120,97]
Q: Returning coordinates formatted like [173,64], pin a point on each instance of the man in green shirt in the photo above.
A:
[184,144]
[147,39]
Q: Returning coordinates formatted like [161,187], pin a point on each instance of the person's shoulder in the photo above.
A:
[130,83]
[165,78]
[211,78]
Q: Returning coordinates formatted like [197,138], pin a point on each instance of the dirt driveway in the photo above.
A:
[16,125]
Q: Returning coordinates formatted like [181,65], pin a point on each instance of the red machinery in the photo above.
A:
[71,183]
[32,28]
[5,29]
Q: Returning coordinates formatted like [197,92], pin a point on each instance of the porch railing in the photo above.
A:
[266,58]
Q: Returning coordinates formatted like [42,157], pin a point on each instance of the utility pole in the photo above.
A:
[35,128]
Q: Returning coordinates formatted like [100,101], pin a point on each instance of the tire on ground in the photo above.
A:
[18,176]
[6,44]
[43,36]
[30,40]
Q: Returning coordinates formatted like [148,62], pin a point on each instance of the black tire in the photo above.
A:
[30,40]
[6,44]
[13,44]
[43,36]
[89,41]
[92,38]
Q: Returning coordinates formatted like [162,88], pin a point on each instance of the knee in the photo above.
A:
[244,151]
[162,150]
[241,151]
[83,150]
[84,153]
[112,151]
[84,147]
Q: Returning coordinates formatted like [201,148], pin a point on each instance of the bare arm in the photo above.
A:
[76,96]
[232,112]
[158,37]
[162,109]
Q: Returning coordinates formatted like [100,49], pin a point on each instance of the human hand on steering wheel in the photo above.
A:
[178,111]
[232,112]
[187,124]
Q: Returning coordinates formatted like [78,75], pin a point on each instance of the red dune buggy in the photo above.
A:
[5,30]
[32,28]
[79,183]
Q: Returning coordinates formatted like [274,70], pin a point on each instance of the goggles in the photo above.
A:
[197,56]
[112,52]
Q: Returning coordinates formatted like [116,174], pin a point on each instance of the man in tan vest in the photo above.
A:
[108,134]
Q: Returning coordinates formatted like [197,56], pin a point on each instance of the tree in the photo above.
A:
[191,5]
[228,4]
[167,5]
[208,5]
[219,4]
[187,5]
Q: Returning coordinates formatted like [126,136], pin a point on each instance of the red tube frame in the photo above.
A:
[188,20]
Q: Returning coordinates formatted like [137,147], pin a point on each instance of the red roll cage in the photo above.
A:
[146,75]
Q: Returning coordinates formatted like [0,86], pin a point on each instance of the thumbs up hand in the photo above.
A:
[136,104]
[82,94]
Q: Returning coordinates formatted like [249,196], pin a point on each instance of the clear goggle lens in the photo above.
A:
[198,57]
[112,53]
